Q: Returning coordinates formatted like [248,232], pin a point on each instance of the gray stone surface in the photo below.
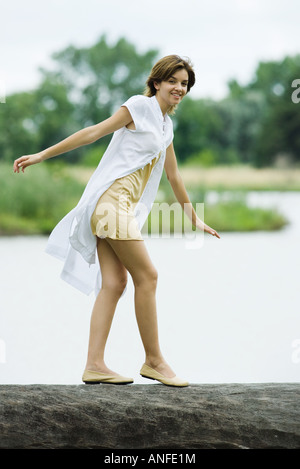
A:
[150,416]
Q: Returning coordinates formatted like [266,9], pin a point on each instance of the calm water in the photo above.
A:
[228,311]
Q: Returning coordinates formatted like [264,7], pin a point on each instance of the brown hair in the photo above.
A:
[164,69]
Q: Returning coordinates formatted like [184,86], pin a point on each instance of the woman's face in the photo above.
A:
[170,92]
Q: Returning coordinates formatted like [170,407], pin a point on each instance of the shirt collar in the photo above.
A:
[158,109]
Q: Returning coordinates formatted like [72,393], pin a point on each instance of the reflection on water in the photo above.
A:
[227,311]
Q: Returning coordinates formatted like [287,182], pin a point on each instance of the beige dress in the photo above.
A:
[113,216]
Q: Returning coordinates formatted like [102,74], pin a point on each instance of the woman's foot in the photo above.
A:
[151,373]
[94,377]
[100,373]
[161,367]
[100,368]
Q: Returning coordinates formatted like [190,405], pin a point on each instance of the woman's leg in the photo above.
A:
[114,280]
[134,256]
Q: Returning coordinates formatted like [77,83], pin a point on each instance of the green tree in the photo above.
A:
[101,77]
[198,126]
[87,86]
[241,114]
[18,133]
[278,122]
[34,120]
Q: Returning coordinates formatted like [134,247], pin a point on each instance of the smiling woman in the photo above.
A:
[177,77]
[97,256]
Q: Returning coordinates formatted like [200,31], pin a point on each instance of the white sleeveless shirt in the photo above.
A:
[72,240]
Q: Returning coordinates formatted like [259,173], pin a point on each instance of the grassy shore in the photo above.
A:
[224,177]
[34,202]
[242,178]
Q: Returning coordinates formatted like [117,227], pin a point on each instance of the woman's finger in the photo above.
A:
[214,233]
[20,163]
[211,231]
[16,164]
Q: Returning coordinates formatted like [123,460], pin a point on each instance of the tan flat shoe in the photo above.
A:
[94,377]
[148,372]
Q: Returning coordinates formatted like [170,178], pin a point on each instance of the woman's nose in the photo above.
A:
[178,87]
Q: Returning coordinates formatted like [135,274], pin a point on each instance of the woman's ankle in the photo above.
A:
[159,364]
[154,360]
[93,365]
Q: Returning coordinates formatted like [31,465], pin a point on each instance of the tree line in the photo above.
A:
[256,124]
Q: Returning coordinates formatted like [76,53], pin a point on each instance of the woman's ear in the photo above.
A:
[156,85]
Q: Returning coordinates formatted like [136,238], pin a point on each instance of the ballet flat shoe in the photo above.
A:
[148,372]
[94,377]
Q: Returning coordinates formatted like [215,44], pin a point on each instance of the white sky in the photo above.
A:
[224,38]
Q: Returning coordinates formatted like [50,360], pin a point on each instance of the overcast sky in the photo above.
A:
[224,38]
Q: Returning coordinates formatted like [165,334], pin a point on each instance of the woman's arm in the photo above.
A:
[180,192]
[84,136]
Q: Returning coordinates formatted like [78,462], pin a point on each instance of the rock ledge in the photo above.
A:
[150,416]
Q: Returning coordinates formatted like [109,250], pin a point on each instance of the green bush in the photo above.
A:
[205,158]
[36,200]
[236,216]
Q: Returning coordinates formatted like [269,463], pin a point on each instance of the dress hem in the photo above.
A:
[119,239]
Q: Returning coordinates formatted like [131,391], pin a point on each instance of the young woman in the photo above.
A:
[99,241]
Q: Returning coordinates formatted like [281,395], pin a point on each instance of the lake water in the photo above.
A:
[228,310]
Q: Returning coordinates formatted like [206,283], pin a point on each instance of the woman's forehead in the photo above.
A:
[180,74]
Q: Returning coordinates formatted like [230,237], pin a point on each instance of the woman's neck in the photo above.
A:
[164,107]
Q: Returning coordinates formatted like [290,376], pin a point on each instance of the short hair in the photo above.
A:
[164,69]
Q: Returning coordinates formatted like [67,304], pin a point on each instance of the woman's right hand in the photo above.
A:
[27,160]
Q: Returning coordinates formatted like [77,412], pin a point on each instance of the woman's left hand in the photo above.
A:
[211,231]
[27,160]
[202,226]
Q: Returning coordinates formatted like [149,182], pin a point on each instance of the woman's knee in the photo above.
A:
[147,278]
[115,284]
